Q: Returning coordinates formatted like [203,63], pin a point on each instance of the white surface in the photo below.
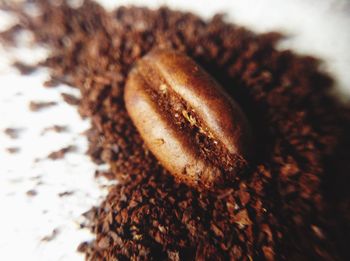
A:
[25,220]
[315,27]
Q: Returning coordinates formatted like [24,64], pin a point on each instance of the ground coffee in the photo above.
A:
[293,202]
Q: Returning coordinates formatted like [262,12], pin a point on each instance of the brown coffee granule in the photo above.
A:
[107,174]
[65,193]
[12,150]
[59,154]
[13,133]
[292,204]
[52,82]
[52,236]
[38,106]
[23,68]
[70,99]
[31,193]
[55,128]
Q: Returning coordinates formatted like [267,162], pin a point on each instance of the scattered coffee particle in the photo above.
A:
[31,193]
[70,99]
[13,133]
[13,150]
[59,154]
[89,217]
[107,174]
[65,193]
[23,68]
[83,247]
[298,203]
[52,82]
[38,106]
[90,214]
[55,128]
[52,236]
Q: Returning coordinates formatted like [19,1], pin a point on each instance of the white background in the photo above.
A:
[314,27]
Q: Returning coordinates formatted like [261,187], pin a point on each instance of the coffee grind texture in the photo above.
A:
[293,201]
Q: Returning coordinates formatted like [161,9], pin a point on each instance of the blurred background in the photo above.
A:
[42,200]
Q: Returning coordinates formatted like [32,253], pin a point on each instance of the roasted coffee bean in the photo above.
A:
[196,131]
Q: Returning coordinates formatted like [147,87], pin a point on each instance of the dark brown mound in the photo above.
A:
[293,203]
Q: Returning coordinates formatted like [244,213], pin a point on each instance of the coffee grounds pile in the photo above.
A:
[293,201]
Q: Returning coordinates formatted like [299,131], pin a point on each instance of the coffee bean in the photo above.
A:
[195,130]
